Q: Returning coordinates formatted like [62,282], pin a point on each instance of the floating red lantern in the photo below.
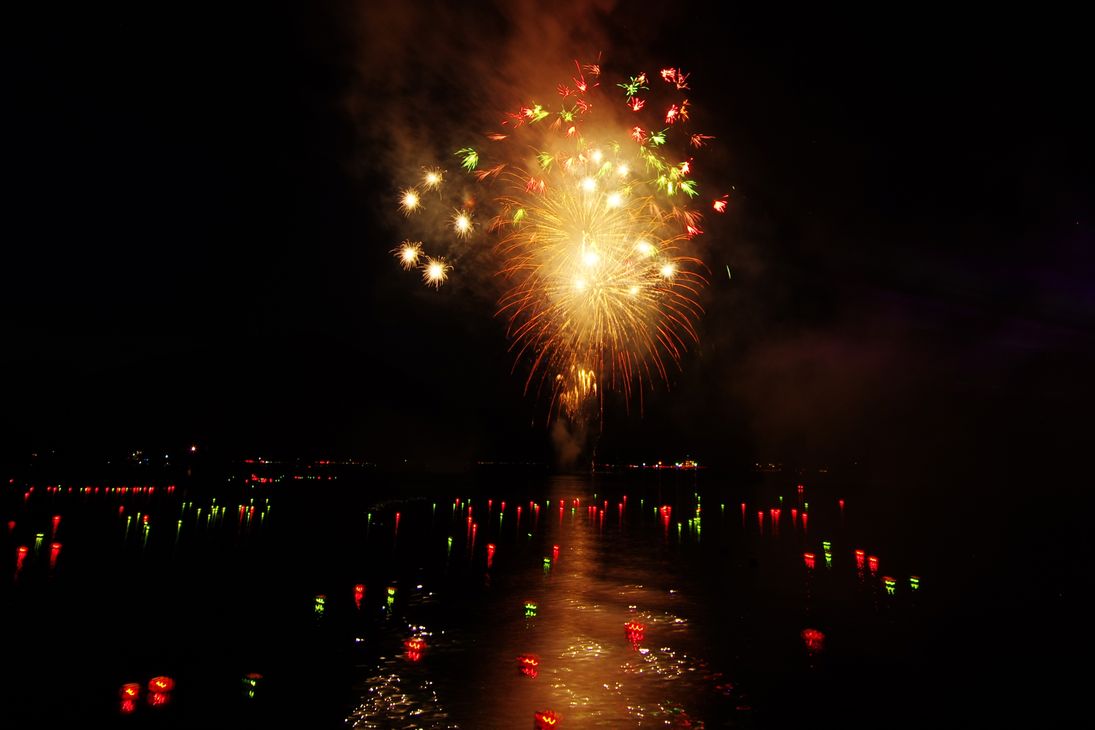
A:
[528,665]
[161,684]
[814,640]
[547,719]
[359,594]
[415,646]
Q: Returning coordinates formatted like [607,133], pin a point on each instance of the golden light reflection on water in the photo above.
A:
[590,670]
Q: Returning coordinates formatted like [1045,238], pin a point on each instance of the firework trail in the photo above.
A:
[589,221]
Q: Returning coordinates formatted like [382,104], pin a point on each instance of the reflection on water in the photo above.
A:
[569,602]
[598,630]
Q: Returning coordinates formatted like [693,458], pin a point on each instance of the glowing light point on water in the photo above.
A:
[890,583]
[130,692]
[320,604]
[528,665]
[547,565]
[56,523]
[449,550]
[38,538]
[809,559]
[547,719]
[814,640]
[20,556]
[359,595]
[54,551]
[530,609]
[161,684]
[872,561]
[826,545]
[391,597]
[860,559]
[415,646]
[250,684]
[490,553]
[914,582]
[828,559]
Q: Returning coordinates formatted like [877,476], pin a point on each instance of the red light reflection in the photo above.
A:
[810,559]
[860,557]
[490,553]
[873,562]
[635,631]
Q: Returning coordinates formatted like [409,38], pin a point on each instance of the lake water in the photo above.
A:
[621,600]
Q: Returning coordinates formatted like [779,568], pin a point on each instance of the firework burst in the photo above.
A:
[590,221]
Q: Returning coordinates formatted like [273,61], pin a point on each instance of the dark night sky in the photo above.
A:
[195,242]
